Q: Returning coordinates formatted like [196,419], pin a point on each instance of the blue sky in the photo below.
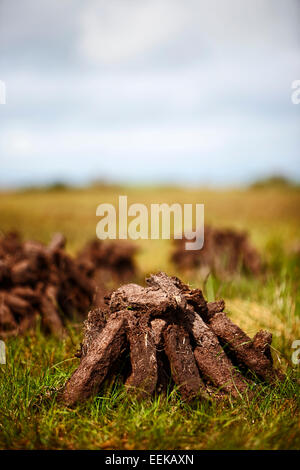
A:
[149,91]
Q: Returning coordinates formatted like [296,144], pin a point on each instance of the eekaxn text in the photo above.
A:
[152,459]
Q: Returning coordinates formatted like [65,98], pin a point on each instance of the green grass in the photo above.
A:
[32,419]
[38,365]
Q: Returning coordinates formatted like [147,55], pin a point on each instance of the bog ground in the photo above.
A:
[37,365]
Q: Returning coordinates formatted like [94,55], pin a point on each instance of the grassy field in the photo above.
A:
[30,417]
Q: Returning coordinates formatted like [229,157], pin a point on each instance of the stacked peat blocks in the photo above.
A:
[107,264]
[164,333]
[225,253]
[44,281]
[39,281]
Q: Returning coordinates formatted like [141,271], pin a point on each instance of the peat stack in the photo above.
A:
[107,265]
[225,252]
[39,280]
[168,332]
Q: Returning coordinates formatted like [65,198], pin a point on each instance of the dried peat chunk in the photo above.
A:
[99,297]
[107,261]
[58,242]
[215,307]
[34,249]
[164,282]
[178,292]
[94,367]
[157,327]
[171,287]
[143,377]
[94,324]
[4,271]
[27,322]
[17,304]
[183,295]
[195,298]
[163,368]
[182,361]
[211,358]
[262,341]
[153,302]
[70,271]
[24,272]
[49,311]
[242,346]
[7,321]
[26,293]
[10,244]
[251,258]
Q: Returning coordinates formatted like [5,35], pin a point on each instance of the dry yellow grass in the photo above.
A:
[269,215]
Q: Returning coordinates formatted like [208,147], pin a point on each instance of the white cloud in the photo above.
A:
[116,30]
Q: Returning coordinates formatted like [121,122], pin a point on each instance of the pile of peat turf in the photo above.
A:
[43,281]
[167,333]
[225,252]
[107,264]
[39,281]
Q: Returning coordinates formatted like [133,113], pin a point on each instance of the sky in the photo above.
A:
[149,91]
